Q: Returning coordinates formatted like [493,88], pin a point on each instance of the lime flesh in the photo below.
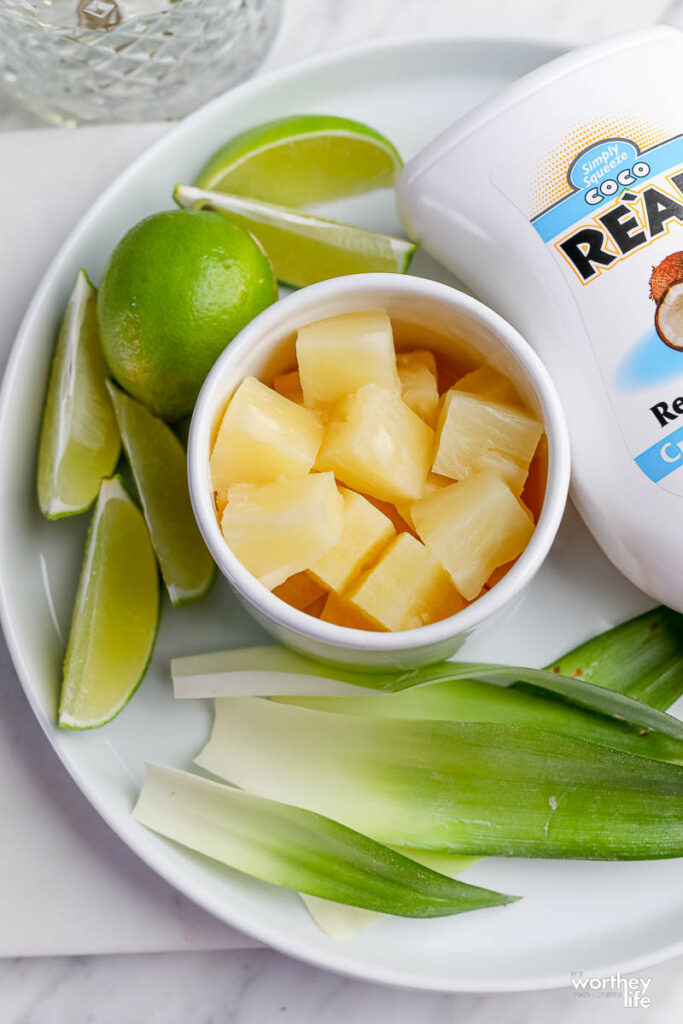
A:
[159,467]
[79,441]
[115,616]
[302,247]
[308,158]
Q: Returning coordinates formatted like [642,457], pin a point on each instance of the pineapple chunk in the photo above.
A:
[289,386]
[473,527]
[283,528]
[262,437]
[338,356]
[498,574]
[489,383]
[533,494]
[365,531]
[474,433]
[391,512]
[418,357]
[300,590]
[431,484]
[417,373]
[375,444]
[220,498]
[406,588]
[340,613]
[316,609]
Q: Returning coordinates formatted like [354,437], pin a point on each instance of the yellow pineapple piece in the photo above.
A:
[263,437]
[534,485]
[406,588]
[390,511]
[300,590]
[282,528]
[365,531]
[473,527]
[375,444]
[498,574]
[339,612]
[418,357]
[220,498]
[489,383]
[289,386]
[474,433]
[419,388]
[340,355]
[316,609]
[433,483]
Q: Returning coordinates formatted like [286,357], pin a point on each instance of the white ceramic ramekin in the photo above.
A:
[443,318]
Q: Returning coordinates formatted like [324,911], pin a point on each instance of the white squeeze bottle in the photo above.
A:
[560,203]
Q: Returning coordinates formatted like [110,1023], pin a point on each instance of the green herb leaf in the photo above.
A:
[298,849]
[459,787]
[249,672]
[471,700]
[642,658]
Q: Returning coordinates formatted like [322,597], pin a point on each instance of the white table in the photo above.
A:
[257,986]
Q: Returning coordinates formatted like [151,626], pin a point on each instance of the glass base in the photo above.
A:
[158,66]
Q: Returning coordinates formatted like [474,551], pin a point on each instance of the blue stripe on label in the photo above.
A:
[574,208]
[664,457]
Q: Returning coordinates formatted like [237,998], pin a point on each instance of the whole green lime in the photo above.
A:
[178,287]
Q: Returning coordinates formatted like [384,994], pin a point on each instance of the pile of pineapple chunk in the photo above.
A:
[357,492]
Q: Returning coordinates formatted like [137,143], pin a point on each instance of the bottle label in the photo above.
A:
[611,214]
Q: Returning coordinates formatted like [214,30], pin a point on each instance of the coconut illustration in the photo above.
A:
[669,316]
[666,289]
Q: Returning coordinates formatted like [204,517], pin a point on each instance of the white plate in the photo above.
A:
[575,916]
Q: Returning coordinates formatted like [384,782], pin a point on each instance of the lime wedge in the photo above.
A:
[302,247]
[115,616]
[159,467]
[79,441]
[308,158]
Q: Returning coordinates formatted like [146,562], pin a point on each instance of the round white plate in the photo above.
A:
[575,916]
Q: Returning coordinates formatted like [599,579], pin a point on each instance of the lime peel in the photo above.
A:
[177,288]
[159,467]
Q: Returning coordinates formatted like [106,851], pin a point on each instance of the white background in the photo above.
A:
[257,986]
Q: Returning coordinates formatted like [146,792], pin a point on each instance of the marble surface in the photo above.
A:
[258,986]
[261,987]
